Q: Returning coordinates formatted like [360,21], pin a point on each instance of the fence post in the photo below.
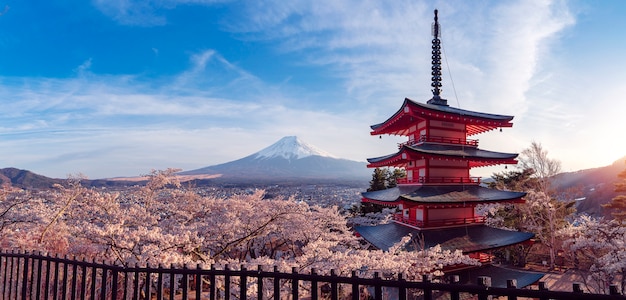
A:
[113,283]
[294,284]
[455,279]
[103,284]
[259,282]
[32,279]
[148,282]
[334,289]
[212,289]
[276,284]
[184,283]
[613,289]
[14,273]
[484,281]
[226,282]
[25,277]
[64,285]
[402,288]
[38,286]
[243,283]
[314,294]
[74,277]
[512,284]
[355,285]
[172,281]
[542,287]
[94,273]
[428,291]
[577,287]
[3,272]
[198,281]
[159,285]
[378,289]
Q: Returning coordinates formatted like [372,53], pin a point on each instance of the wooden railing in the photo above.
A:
[440,180]
[438,223]
[36,276]
[441,140]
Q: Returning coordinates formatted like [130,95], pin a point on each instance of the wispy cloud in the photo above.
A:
[144,12]
[501,56]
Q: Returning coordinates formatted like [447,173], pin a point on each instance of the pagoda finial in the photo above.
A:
[436,68]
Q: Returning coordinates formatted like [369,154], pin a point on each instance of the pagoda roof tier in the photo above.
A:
[475,156]
[411,111]
[441,194]
[499,276]
[469,239]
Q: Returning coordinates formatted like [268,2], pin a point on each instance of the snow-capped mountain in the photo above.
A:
[291,147]
[289,158]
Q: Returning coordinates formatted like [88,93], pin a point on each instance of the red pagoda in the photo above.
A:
[437,198]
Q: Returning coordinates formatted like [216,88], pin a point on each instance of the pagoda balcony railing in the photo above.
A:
[438,223]
[440,139]
[440,180]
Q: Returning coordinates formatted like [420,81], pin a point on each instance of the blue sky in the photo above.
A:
[119,87]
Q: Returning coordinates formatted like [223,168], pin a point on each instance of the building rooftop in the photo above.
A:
[443,194]
[499,276]
[477,122]
[476,157]
[469,239]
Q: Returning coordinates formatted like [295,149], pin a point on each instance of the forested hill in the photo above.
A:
[28,180]
[596,185]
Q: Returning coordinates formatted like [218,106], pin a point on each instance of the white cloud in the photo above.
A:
[500,53]
[144,12]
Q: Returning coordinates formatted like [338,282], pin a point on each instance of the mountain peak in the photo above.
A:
[291,147]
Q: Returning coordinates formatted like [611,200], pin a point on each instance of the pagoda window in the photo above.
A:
[419,214]
[449,163]
[458,213]
[447,125]
[438,172]
[444,132]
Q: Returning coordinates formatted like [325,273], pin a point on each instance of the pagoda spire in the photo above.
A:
[436,61]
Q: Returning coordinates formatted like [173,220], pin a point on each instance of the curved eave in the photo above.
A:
[432,194]
[389,196]
[383,203]
[469,239]
[476,122]
[499,276]
[397,124]
[476,157]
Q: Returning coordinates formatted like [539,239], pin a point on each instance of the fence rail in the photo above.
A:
[37,276]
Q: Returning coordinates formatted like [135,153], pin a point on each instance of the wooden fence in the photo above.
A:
[37,276]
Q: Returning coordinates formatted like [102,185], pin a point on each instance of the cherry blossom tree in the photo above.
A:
[599,246]
[165,223]
[544,217]
[540,214]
